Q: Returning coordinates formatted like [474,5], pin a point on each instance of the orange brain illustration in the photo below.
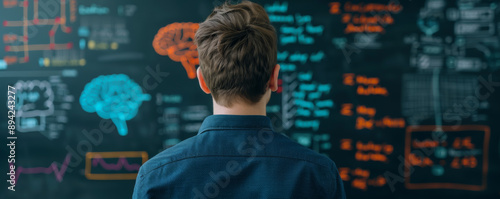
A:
[176,41]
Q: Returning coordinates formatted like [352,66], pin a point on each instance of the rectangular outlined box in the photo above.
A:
[116,154]
[447,185]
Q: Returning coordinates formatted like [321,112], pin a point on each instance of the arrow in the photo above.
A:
[287,101]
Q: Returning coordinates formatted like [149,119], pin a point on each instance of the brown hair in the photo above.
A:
[237,51]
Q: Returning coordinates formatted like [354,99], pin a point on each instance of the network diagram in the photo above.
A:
[39,20]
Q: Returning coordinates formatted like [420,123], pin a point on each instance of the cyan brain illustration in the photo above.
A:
[114,97]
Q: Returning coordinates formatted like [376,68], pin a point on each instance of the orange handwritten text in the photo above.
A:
[425,144]
[363,110]
[372,7]
[372,90]
[365,17]
[349,79]
[346,144]
[465,162]
[465,142]
[372,152]
[361,79]
[378,148]
[360,178]
[346,109]
[385,122]
[415,160]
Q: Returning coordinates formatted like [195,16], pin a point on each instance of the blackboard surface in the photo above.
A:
[402,95]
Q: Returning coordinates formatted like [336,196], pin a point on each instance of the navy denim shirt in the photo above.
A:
[235,156]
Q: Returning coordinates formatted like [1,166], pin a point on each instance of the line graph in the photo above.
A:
[96,159]
[121,164]
[51,169]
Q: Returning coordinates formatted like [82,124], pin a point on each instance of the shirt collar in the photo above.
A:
[214,122]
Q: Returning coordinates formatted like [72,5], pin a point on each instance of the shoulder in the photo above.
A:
[178,152]
[300,152]
[148,175]
[322,167]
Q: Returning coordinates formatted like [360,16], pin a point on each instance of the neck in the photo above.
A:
[240,109]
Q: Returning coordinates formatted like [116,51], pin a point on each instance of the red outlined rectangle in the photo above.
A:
[428,128]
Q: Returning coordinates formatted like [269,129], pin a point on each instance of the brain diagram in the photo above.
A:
[176,41]
[35,101]
[114,97]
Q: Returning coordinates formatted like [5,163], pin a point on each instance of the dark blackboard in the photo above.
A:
[402,95]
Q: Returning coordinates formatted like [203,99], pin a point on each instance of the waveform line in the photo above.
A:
[122,163]
[58,172]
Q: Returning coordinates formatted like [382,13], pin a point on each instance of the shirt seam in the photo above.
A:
[235,128]
[191,157]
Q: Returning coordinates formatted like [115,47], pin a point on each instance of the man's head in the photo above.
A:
[237,51]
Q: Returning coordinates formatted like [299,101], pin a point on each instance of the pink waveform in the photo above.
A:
[58,172]
[122,163]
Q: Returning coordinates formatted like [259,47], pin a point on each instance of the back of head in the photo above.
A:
[237,51]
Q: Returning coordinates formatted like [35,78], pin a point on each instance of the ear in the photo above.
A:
[273,81]
[201,80]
